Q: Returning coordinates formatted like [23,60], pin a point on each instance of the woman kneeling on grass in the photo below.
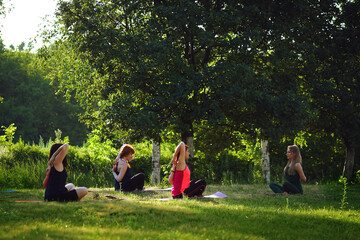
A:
[180,175]
[122,171]
[56,175]
[293,173]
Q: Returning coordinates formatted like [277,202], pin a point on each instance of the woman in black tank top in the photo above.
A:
[293,173]
[55,180]
[123,174]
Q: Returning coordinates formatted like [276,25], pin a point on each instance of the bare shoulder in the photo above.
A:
[298,166]
[122,163]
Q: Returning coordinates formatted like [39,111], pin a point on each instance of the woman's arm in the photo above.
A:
[179,157]
[123,167]
[46,179]
[300,171]
[59,155]
[175,155]
[172,173]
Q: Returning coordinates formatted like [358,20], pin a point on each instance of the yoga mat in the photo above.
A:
[29,201]
[158,189]
[99,200]
[215,195]
[113,198]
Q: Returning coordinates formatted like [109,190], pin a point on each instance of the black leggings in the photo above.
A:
[64,197]
[286,187]
[135,182]
[196,188]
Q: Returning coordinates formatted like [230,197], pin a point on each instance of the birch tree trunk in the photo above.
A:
[349,162]
[190,143]
[265,160]
[155,175]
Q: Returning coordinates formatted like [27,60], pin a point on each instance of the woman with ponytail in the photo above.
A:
[180,175]
[122,171]
[293,172]
[55,180]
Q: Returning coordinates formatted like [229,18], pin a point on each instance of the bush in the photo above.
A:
[24,165]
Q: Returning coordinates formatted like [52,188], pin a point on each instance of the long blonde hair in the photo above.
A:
[297,159]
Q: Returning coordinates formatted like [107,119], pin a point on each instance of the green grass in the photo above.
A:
[249,212]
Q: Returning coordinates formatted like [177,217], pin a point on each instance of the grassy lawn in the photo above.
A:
[249,212]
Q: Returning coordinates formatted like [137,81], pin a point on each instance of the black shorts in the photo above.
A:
[64,197]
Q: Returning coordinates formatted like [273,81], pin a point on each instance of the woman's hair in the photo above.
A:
[297,159]
[125,150]
[53,149]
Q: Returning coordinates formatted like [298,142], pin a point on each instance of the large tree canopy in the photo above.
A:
[245,65]
[177,62]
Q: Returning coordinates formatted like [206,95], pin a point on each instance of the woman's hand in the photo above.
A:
[300,171]
[48,170]
[114,168]
[174,160]
[46,179]
[51,161]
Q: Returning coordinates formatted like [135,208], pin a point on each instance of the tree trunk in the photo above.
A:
[349,161]
[155,175]
[188,139]
[265,160]
[190,143]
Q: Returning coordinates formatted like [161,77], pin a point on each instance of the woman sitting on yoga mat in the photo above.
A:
[293,173]
[180,175]
[122,171]
[56,175]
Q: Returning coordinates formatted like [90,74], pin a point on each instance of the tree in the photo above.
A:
[30,103]
[175,63]
[2,8]
[267,96]
[335,93]
[246,64]
[159,59]
[155,175]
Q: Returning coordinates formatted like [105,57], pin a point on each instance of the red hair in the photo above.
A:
[125,150]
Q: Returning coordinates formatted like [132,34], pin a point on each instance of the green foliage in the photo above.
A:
[7,138]
[199,64]
[227,73]
[90,165]
[2,10]
[22,174]
[344,182]
[58,137]
[332,82]
[30,103]
[21,161]
[102,149]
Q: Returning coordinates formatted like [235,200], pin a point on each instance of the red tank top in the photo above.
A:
[181,181]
